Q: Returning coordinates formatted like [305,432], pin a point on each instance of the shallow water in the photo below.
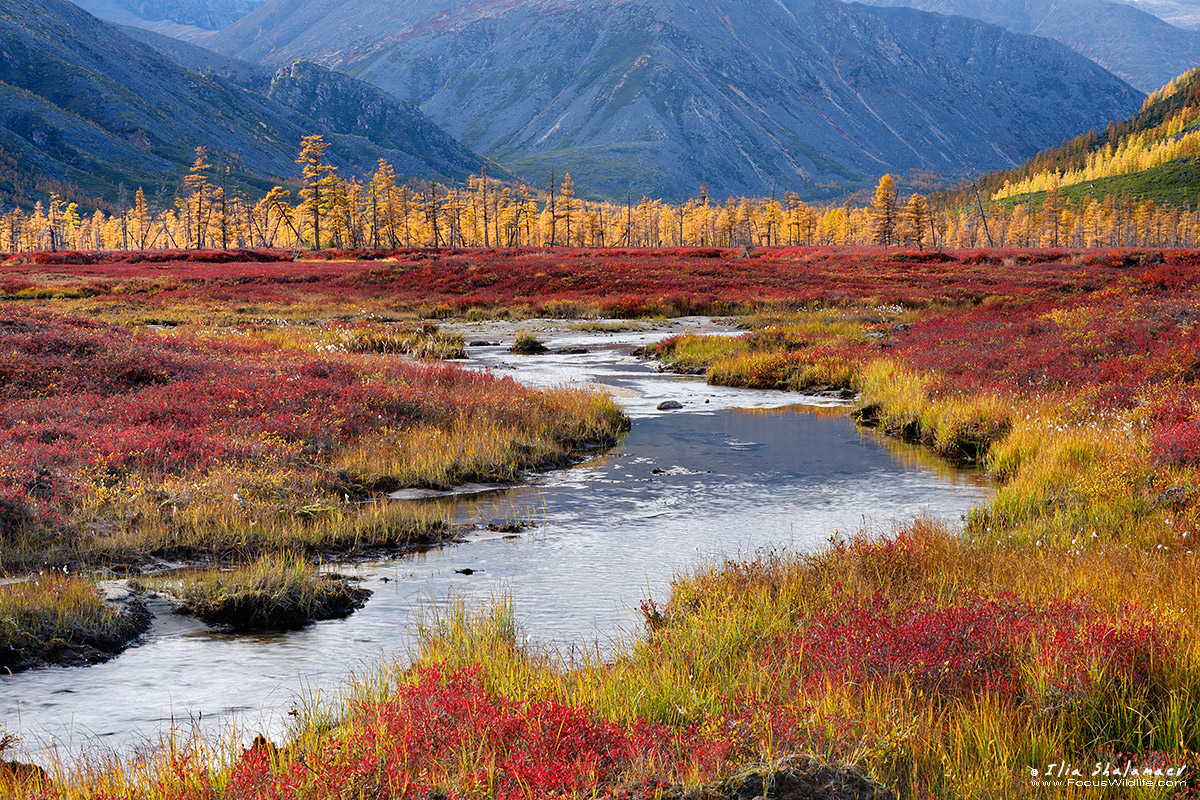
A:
[745,470]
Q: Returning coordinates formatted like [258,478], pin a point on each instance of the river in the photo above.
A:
[729,473]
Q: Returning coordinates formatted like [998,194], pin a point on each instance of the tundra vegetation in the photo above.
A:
[126,448]
[1057,625]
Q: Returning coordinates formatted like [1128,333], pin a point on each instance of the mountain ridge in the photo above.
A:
[1154,154]
[1133,44]
[209,15]
[647,96]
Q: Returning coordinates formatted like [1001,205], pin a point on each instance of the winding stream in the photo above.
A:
[731,472]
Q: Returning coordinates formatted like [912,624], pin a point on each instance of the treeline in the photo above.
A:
[1114,221]
[386,212]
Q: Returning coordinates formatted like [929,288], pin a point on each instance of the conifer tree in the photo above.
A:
[197,205]
[883,210]
[316,174]
[1052,210]
[568,203]
[552,208]
[916,217]
[141,219]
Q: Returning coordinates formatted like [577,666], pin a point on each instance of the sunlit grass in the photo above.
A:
[485,448]
[419,340]
[696,353]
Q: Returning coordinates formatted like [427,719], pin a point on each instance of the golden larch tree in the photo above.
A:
[916,218]
[883,211]
[316,174]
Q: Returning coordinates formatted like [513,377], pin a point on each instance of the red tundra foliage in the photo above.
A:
[85,402]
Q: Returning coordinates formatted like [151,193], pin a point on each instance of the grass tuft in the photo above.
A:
[53,618]
[527,344]
[275,591]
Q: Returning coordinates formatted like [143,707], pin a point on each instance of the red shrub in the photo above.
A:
[1177,443]
[976,644]
[408,745]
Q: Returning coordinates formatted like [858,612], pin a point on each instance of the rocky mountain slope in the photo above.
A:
[1131,43]
[660,96]
[281,31]
[87,107]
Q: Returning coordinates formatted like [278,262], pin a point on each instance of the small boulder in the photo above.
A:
[669,405]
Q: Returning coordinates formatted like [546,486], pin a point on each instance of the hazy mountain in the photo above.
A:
[317,30]
[86,104]
[1183,13]
[204,14]
[1131,43]
[659,96]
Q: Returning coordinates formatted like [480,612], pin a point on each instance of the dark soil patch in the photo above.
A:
[795,777]
[510,527]
[802,778]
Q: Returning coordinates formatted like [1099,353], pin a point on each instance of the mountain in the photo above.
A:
[250,75]
[1181,13]
[1152,155]
[87,107]
[746,96]
[1130,42]
[204,15]
[281,31]
[335,102]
